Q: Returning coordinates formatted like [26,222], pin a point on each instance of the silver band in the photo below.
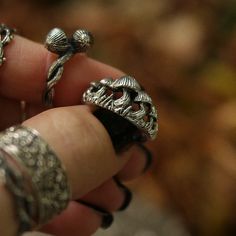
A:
[57,42]
[6,35]
[125,97]
[38,165]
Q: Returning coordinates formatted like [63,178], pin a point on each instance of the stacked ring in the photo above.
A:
[34,175]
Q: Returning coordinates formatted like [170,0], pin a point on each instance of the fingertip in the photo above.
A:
[149,157]
[77,219]
[140,160]
[128,196]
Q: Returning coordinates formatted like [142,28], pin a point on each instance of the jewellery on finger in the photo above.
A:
[6,35]
[57,42]
[34,175]
[126,98]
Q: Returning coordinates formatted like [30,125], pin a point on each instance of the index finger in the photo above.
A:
[23,76]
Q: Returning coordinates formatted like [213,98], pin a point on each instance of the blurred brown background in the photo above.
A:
[184,53]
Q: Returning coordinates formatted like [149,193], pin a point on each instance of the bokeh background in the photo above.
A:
[184,53]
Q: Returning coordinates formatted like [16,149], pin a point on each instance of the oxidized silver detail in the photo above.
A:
[125,97]
[44,170]
[57,42]
[82,40]
[6,35]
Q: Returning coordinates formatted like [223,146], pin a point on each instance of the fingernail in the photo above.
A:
[148,155]
[107,218]
[122,132]
[94,207]
[107,221]
[127,195]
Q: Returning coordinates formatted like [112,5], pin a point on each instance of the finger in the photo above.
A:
[77,219]
[113,195]
[23,76]
[12,112]
[140,157]
[108,196]
[139,162]
[83,145]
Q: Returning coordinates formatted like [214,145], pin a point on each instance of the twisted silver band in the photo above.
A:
[57,42]
[126,98]
[54,75]
[6,35]
[34,175]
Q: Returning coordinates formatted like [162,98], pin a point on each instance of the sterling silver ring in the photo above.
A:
[6,36]
[126,98]
[57,42]
[34,175]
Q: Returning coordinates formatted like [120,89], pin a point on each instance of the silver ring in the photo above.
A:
[57,42]
[125,97]
[44,190]
[6,36]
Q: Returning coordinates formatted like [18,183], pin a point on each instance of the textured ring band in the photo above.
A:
[57,42]
[6,35]
[42,169]
[126,98]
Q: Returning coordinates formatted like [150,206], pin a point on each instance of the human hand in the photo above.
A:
[78,138]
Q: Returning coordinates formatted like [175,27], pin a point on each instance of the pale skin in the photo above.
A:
[78,138]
